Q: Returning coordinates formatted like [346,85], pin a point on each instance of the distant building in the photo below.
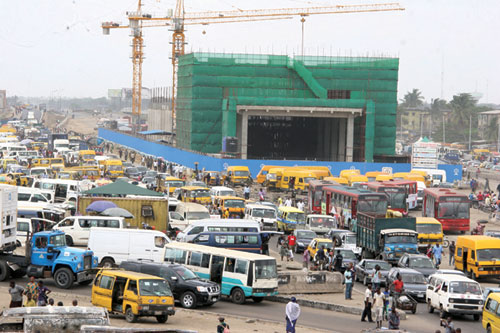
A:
[3,100]
[486,118]
[415,120]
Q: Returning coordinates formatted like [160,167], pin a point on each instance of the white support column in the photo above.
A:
[341,139]
[350,139]
[244,135]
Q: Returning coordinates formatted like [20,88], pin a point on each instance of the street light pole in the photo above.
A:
[470,131]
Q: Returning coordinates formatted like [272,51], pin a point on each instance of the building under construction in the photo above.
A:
[278,107]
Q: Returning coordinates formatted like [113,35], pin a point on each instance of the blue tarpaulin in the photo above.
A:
[155,132]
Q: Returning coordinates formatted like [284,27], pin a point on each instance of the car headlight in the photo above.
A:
[480,302]
[202,289]
[481,268]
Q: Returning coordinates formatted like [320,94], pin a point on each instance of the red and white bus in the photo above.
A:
[315,193]
[448,207]
[395,194]
[345,202]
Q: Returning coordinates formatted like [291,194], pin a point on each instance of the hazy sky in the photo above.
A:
[56,47]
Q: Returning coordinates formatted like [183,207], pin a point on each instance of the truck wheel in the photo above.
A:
[188,300]
[64,278]
[19,273]
[4,271]
[238,296]
[130,316]
[69,240]
[162,319]
[107,263]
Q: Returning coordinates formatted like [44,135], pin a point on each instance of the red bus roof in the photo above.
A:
[351,191]
[443,192]
[378,185]
[318,182]
[399,182]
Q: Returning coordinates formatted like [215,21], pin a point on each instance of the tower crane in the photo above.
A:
[178,18]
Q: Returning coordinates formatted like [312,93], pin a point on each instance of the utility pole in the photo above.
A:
[444,130]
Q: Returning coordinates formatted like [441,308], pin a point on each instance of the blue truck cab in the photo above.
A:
[396,242]
[49,256]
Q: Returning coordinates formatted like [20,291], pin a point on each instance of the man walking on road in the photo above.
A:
[292,314]
[348,282]
[437,252]
[368,304]
[452,253]
[378,304]
[16,294]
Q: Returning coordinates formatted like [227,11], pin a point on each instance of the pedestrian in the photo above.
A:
[292,315]
[284,251]
[75,302]
[367,311]
[458,330]
[29,301]
[498,189]
[337,261]
[398,287]
[16,295]
[262,195]
[376,277]
[348,277]
[32,288]
[42,294]
[300,205]
[394,319]
[280,241]
[449,326]
[306,257]
[437,252]
[222,327]
[292,241]
[386,302]
[288,202]
[486,185]
[378,305]
[60,303]
[478,171]
[265,244]
[246,192]
[51,302]
[451,261]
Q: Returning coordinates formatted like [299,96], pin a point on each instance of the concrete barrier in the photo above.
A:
[293,282]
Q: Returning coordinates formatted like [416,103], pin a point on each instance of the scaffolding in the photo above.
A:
[210,86]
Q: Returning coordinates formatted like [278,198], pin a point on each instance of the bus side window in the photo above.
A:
[241,266]
[230,265]
[459,251]
[473,255]
[205,260]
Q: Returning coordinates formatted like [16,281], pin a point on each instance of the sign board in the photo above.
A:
[424,155]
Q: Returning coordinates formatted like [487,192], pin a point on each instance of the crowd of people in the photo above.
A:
[36,294]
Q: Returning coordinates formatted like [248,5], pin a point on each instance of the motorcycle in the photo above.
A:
[479,229]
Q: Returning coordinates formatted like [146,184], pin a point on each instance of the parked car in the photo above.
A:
[449,271]
[142,170]
[366,267]
[132,173]
[188,289]
[415,283]
[418,262]
[304,237]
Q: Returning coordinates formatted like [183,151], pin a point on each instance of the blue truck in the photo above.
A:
[386,238]
[48,256]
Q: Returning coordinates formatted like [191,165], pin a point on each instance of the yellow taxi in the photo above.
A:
[317,243]
[491,313]
[430,232]
[234,206]
[196,194]
[133,295]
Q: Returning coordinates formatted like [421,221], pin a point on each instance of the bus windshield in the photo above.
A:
[488,255]
[321,221]
[266,213]
[241,173]
[114,167]
[154,287]
[400,239]
[200,193]
[265,269]
[429,228]
[463,287]
[297,217]
[453,210]
[372,205]
[58,240]
[234,203]
[174,183]
[397,197]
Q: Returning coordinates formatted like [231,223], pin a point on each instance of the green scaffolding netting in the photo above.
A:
[210,86]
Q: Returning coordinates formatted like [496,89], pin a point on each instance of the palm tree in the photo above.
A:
[413,99]
[463,107]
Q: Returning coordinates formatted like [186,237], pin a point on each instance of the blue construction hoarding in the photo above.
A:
[453,172]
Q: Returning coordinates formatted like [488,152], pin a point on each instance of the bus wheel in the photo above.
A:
[238,296]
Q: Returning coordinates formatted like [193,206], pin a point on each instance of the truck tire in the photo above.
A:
[64,278]
[130,316]
[4,271]
[69,240]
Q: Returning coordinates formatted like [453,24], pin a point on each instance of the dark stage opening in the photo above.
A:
[296,138]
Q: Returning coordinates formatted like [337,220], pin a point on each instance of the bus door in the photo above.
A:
[216,268]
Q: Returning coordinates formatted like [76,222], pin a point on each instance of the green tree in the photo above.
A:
[413,99]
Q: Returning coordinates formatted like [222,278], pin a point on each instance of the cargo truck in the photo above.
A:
[386,238]
[46,252]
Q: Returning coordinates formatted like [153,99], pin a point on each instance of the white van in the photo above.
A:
[261,213]
[185,213]
[320,224]
[77,228]
[40,172]
[127,244]
[227,225]
[64,189]
[31,194]
[454,294]
[26,226]
[221,191]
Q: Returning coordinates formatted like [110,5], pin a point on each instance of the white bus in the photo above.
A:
[241,275]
